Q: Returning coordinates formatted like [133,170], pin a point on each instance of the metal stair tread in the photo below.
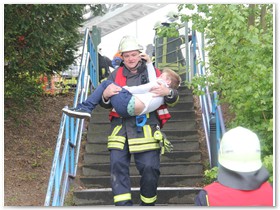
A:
[104,121]
[132,164]
[138,176]
[172,141]
[176,151]
[137,189]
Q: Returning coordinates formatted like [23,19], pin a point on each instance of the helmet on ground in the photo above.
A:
[129,43]
[240,150]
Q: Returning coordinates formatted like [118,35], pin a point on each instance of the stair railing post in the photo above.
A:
[187,49]
[213,141]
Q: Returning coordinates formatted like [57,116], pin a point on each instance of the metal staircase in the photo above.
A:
[181,170]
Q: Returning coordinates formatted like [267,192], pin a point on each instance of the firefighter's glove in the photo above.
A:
[165,144]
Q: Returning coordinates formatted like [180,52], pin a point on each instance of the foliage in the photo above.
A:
[268,164]
[240,50]
[100,9]
[39,39]
[170,30]
[210,175]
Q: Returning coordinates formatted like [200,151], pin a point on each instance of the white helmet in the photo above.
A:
[129,43]
[240,150]
[157,25]
[172,15]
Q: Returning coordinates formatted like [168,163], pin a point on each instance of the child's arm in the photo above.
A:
[150,67]
[145,87]
[151,72]
[140,88]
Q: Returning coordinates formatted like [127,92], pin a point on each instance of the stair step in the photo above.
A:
[181,105]
[104,157]
[164,181]
[178,145]
[172,124]
[102,117]
[182,115]
[165,196]
[102,136]
[185,97]
[176,125]
[184,90]
[177,168]
[180,134]
[181,170]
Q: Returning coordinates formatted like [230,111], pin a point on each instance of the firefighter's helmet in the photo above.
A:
[240,150]
[129,43]
[172,15]
[157,25]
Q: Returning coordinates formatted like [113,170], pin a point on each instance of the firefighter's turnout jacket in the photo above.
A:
[217,194]
[139,139]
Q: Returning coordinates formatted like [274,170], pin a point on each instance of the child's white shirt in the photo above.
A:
[142,92]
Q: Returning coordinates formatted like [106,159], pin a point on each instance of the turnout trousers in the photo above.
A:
[148,165]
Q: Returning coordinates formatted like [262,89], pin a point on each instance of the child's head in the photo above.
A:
[171,77]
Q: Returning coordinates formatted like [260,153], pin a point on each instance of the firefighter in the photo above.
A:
[104,67]
[242,179]
[169,49]
[135,135]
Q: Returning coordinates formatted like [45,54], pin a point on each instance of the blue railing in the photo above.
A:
[66,156]
[212,117]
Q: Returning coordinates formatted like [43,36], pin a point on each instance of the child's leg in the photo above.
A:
[95,97]
[120,102]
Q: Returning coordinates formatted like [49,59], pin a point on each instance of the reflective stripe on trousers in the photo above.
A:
[148,201]
[147,163]
[122,197]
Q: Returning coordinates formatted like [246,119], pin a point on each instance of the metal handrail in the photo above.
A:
[209,102]
[66,156]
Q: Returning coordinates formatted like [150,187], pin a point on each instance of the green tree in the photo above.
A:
[240,50]
[39,39]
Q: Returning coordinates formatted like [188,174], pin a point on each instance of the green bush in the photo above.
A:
[210,175]
[268,163]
